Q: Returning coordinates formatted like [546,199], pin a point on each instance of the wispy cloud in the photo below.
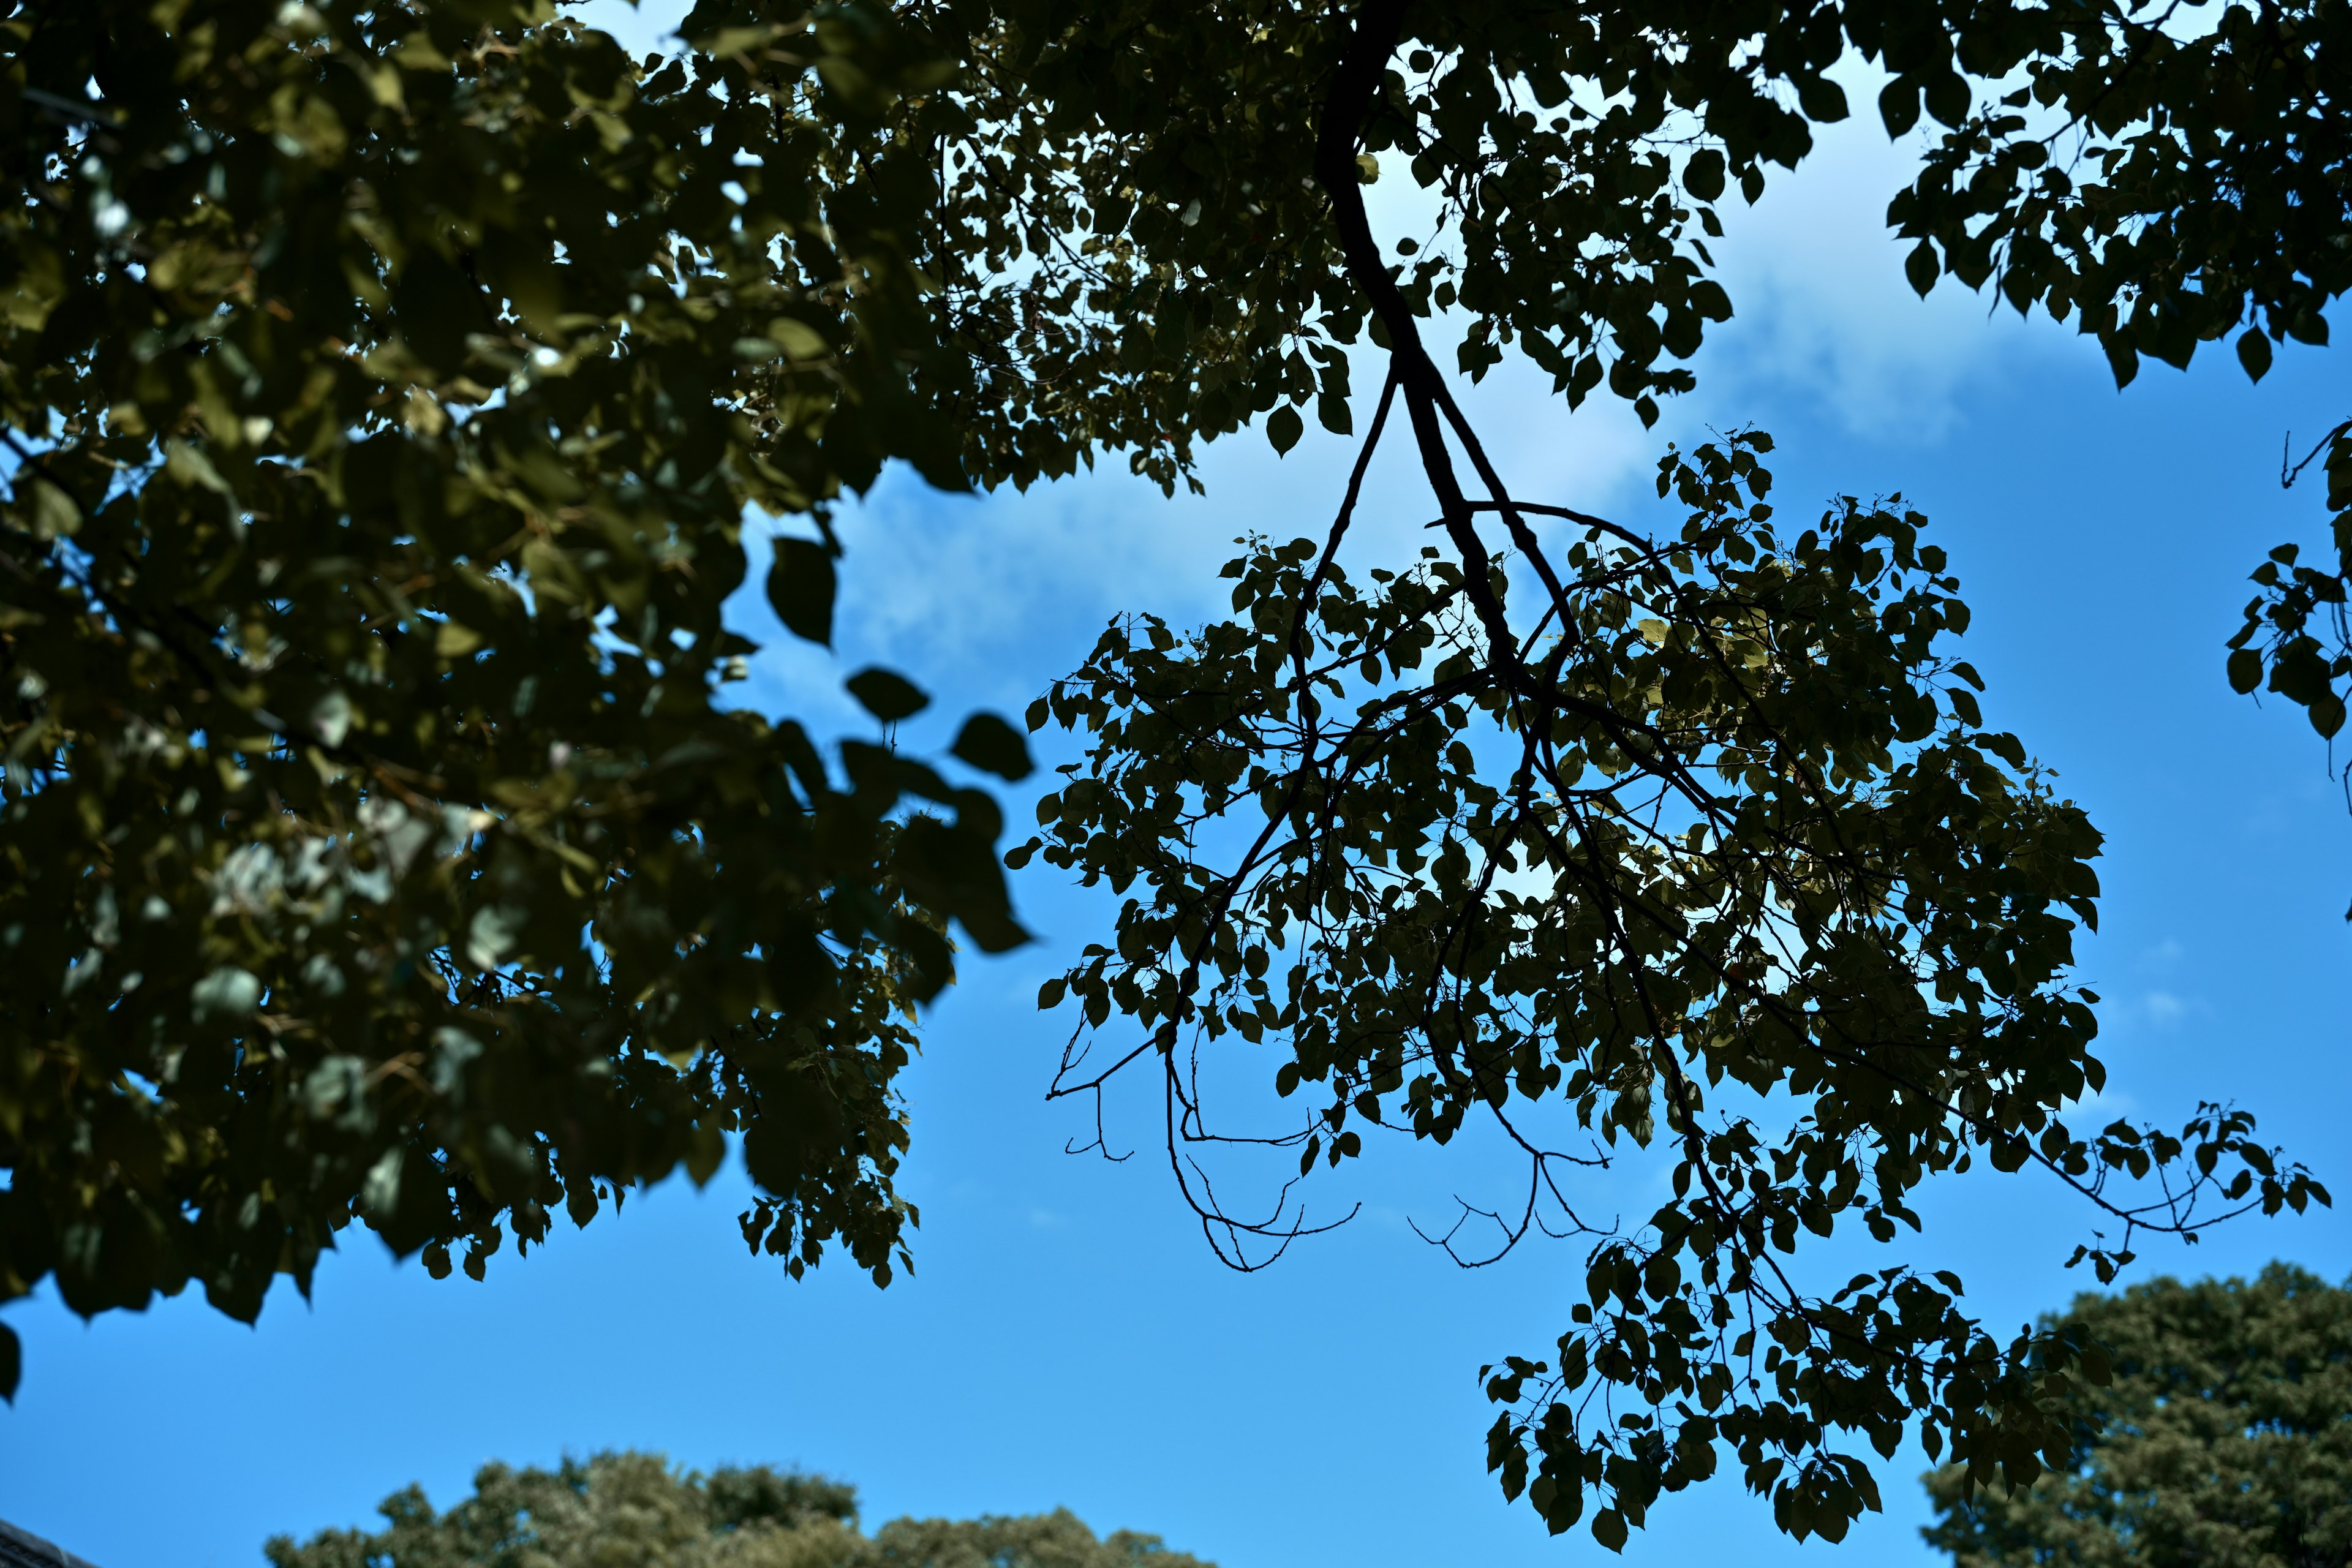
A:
[1825,312]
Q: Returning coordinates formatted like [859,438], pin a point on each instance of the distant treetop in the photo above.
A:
[2224,1440]
[635,1509]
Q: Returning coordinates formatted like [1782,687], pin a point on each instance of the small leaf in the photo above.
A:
[1948,99]
[2245,671]
[1284,426]
[2254,354]
[11,1363]
[493,933]
[888,697]
[1609,1528]
[991,745]
[2123,360]
[798,338]
[1898,106]
[1703,175]
[331,716]
[55,516]
[190,465]
[452,640]
[801,587]
[2327,714]
[1921,269]
[230,993]
[1823,100]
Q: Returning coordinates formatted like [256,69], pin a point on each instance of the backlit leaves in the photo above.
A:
[1713,867]
[2296,641]
[2163,185]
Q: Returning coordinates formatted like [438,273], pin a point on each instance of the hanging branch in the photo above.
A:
[1721,821]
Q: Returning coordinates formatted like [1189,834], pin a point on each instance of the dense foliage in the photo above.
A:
[385,385]
[634,1508]
[2222,1439]
[386,388]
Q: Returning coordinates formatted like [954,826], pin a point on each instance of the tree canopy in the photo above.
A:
[2223,1437]
[385,385]
[636,1509]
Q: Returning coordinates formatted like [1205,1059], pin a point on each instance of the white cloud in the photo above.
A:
[641,26]
[1824,310]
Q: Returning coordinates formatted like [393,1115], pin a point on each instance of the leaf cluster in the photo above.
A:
[2164,184]
[384,388]
[1713,858]
[1133,242]
[2296,641]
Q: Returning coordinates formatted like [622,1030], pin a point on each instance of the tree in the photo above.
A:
[1709,852]
[2223,1438]
[385,388]
[386,383]
[633,1508]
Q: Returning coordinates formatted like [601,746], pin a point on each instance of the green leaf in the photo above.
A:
[1823,100]
[11,1363]
[2327,714]
[1948,99]
[801,587]
[2255,353]
[54,515]
[888,697]
[1922,268]
[1284,426]
[2245,671]
[990,744]
[1703,173]
[1609,1528]
[2122,362]
[1898,106]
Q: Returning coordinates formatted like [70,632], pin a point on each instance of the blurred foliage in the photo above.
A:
[633,1510]
[2223,1438]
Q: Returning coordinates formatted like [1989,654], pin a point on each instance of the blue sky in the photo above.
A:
[1068,1337]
